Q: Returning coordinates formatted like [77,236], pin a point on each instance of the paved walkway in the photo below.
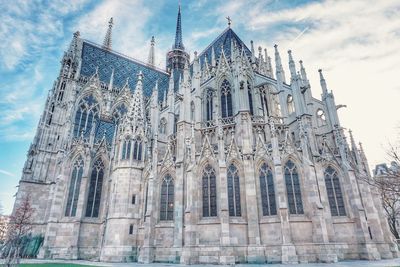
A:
[381,263]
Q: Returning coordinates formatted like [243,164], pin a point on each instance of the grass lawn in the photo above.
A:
[53,265]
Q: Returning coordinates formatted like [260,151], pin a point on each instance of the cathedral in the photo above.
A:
[220,158]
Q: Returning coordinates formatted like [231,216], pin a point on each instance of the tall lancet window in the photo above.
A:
[192,109]
[167,199]
[126,148]
[335,197]
[290,104]
[267,191]
[209,104]
[74,188]
[264,101]
[234,191]
[293,188]
[209,192]
[163,126]
[226,100]
[95,188]
[86,115]
[250,96]
[60,95]
[118,113]
[137,149]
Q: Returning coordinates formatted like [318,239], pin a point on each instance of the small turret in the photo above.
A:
[292,66]
[280,74]
[151,59]
[107,43]
[323,83]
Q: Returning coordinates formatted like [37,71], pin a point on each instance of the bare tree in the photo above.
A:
[3,225]
[19,226]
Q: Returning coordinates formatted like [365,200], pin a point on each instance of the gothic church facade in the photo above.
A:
[218,159]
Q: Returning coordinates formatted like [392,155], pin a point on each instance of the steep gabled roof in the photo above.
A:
[223,41]
[94,56]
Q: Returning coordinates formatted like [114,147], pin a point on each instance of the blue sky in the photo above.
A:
[356,44]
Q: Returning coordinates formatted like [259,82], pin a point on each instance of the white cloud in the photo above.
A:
[7,173]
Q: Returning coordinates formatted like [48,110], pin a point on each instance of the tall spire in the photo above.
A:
[178,35]
[151,59]
[323,83]
[107,43]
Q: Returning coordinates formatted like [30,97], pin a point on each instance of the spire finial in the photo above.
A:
[229,21]
[151,59]
[107,43]
[178,34]
[323,82]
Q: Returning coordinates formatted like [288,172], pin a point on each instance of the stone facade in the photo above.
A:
[215,160]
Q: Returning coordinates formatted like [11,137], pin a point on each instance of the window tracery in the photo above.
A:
[293,189]
[234,205]
[74,188]
[95,189]
[226,100]
[267,191]
[335,196]
[209,188]
[167,199]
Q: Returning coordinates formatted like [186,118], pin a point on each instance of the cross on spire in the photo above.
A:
[229,21]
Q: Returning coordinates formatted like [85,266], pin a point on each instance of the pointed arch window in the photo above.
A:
[86,115]
[293,189]
[226,100]
[50,114]
[95,188]
[167,199]
[234,191]
[74,188]
[290,104]
[192,109]
[209,104]
[119,112]
[267,191]
[61,92]
[321,119]
[264,101]
[163,126]
[335,196]
[126,148]
[250,96]
[209,192]
[137,149]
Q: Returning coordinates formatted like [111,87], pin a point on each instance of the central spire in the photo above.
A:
[178,34]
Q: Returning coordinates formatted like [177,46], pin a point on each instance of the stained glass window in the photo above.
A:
[95,188]
[126,148]
[293,188]
[209,104]
[234,191]
[137,149]
[250,96]
[74,188]
[167,199]
[119,112]
[61,92]
[209,192]
[335,197]
[86,115]
[226,100]
[267,191]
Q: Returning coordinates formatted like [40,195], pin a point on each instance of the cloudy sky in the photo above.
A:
[355,42]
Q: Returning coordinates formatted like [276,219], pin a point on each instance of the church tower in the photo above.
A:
[177,57]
